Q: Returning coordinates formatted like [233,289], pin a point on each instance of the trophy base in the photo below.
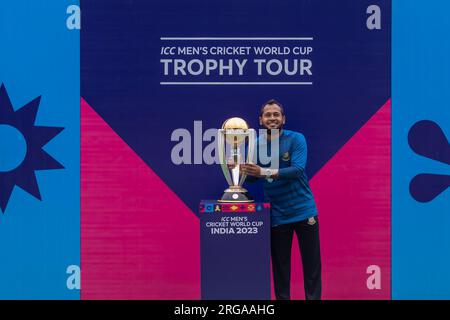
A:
[236,195]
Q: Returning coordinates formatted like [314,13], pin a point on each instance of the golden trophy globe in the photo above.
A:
[236,142]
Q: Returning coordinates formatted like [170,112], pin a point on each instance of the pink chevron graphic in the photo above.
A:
[353,197]
[138,239]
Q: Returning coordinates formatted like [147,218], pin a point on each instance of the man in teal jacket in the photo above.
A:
[293,208]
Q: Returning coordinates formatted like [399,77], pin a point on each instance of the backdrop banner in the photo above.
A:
[159,77]
[39,150]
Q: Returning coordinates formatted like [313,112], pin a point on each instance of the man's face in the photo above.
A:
[272,117]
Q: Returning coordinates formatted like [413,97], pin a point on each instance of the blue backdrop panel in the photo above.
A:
[39,179]
[122,41]
[420,150]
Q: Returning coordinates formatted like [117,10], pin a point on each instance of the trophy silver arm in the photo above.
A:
[223,161]
[250,152]
[237,161]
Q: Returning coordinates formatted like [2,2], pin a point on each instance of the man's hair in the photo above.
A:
[269,103]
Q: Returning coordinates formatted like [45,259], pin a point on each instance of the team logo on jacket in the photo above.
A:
[286,156]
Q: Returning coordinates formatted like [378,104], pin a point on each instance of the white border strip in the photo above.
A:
[238,38]
[234,83]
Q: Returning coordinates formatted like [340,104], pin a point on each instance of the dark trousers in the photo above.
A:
[281,244]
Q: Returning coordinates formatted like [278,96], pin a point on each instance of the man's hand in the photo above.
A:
[251,169]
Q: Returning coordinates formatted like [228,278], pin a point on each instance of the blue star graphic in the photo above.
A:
[427,139]
[22,172]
